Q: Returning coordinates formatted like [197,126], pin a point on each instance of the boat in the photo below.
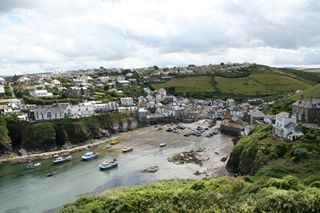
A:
[127,149]
[50,174]
[163,144]
[114,142]
[90,156]
[31,165]
[62,159]
[108,165]
[108,146]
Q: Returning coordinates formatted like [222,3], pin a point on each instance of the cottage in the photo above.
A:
[256,115]
[286,126]
[40,93]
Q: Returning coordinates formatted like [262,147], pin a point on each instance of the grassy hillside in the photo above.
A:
[259,80]
[284,177]
[313,92]
[188,84]
[259,83]
[286,105]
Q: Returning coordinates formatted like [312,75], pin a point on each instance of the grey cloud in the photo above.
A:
[9,5]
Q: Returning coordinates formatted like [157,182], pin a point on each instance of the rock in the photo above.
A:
[197,173]
[23,152]
[217,153]
[224,159]
[151,169]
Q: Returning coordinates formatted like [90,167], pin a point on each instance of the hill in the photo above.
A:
[257,80]
[286,104]
[282,176]
[312,92]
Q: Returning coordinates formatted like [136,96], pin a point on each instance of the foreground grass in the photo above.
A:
[223,194]
[188,84]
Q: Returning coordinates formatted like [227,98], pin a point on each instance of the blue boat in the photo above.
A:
[90,156]
[108,165]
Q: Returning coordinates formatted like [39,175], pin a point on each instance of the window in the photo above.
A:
[49,115]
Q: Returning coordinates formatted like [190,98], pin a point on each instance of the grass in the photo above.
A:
[259,84]
[188,84]
[262,81]
[313,92]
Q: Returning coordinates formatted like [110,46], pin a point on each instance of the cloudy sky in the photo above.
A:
[51,35]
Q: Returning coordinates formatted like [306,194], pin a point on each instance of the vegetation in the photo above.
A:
[257,80]
[4,138]
[286,104]
[47,135]
[222,194]
[309,77]
[259,84]
[280,176]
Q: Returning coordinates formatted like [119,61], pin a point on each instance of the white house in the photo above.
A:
[123,83]
[105,107]
[286,126]
[82,110]
[40,93]
[127,101]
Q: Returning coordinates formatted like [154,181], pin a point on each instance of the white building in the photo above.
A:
[105,107]
[286,126]
[123,83]
[40,93]
[82,110]
[127,101]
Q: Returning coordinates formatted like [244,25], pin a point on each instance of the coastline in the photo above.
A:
[51,154]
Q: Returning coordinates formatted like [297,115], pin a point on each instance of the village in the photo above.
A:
[49,96]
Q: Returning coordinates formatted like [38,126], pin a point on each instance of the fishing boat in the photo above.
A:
[89,156]
[31,165]
[114,142]
[163,144]
[62,159]
[127,149]
[108,165]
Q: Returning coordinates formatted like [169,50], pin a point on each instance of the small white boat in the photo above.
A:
[31,165]
[108,165]
[163,144]
[89,156]
[61,160]
[127,149]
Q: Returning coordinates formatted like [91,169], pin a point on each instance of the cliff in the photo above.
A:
[49,135]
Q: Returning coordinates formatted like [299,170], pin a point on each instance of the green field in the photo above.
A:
[263,80]
[188,84]
[259,83]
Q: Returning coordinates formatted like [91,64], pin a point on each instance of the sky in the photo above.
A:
[52,35]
